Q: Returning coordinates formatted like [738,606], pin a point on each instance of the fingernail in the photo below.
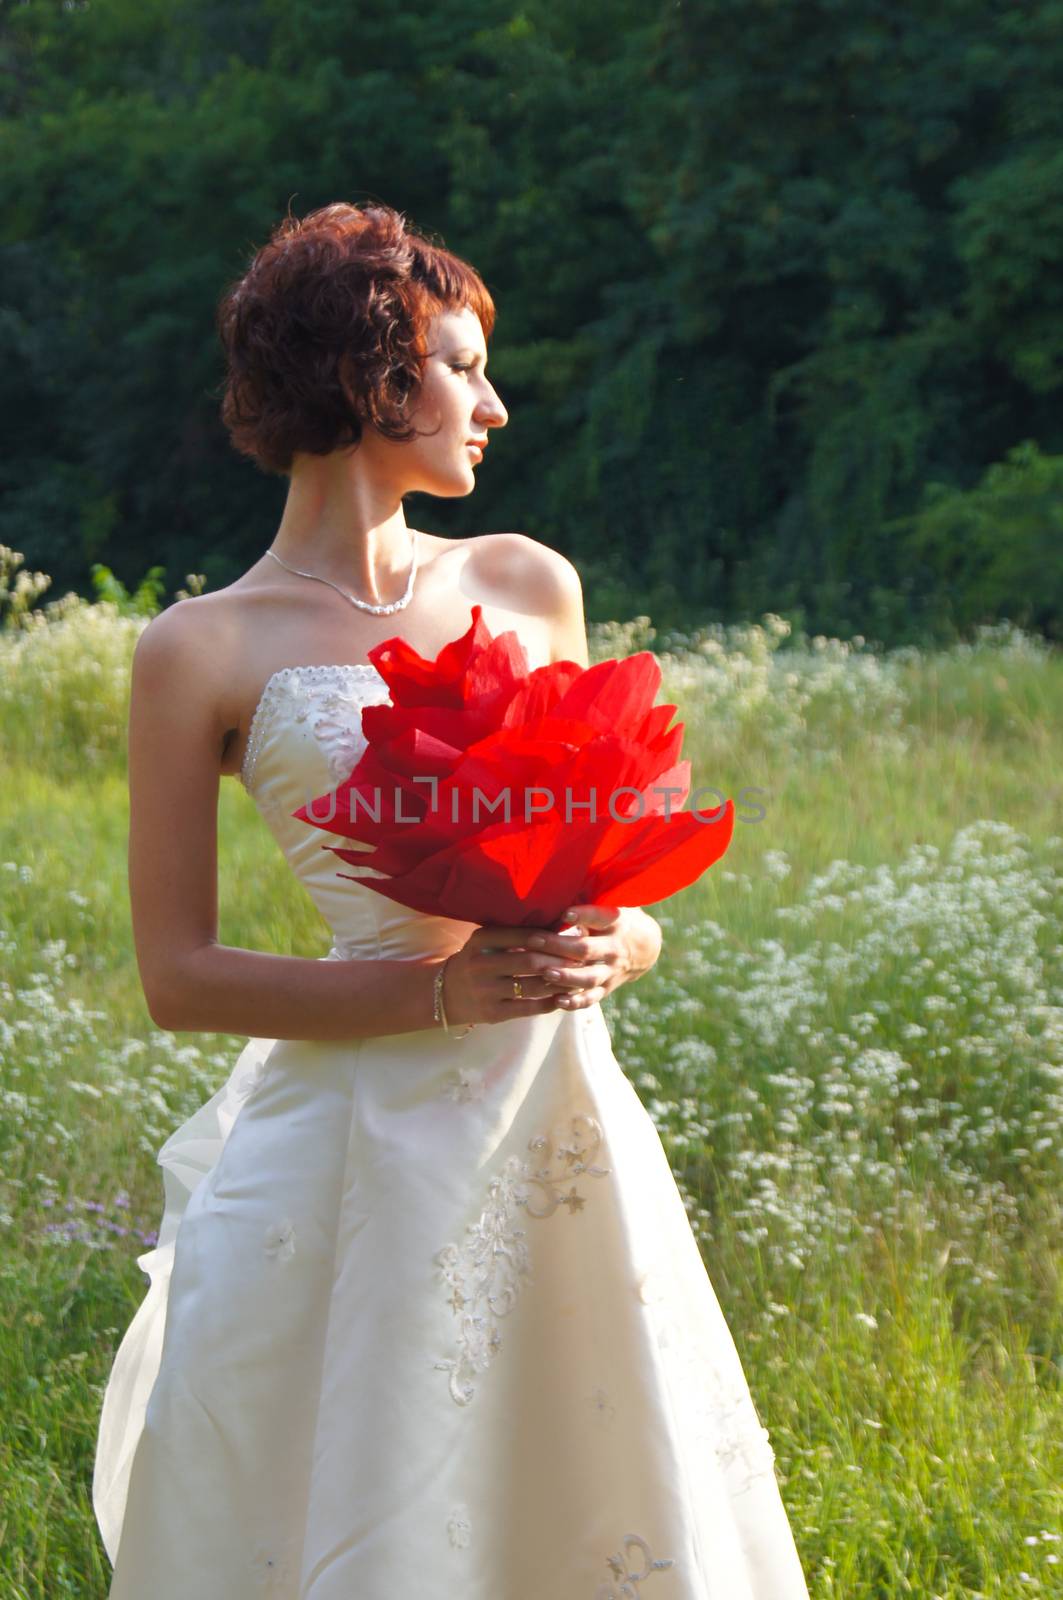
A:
[571,914]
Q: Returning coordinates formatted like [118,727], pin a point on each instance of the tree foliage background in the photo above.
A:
[779,288]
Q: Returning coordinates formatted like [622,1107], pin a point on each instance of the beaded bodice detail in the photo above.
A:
[305,738]
[345,687]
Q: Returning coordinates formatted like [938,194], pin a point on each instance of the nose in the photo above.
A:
[493,413]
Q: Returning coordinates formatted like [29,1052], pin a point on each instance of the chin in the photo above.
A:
[445,488]
[448,491]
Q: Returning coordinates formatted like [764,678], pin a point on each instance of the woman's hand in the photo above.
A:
[481,984]
[613,945]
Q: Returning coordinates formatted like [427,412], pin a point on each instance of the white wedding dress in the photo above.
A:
[426,1315]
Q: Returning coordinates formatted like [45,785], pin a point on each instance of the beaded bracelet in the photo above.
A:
[437,1004]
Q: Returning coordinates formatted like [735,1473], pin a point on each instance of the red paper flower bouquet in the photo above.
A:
[497,795]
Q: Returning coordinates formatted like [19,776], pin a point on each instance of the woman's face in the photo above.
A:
[456,403]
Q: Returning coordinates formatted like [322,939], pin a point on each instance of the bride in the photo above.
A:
[426,1314]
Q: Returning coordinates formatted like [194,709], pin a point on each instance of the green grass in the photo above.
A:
[852,1047]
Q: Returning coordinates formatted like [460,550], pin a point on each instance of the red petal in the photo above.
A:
[612,695]
[677,856]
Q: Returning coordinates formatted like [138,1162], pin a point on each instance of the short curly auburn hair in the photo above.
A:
[326,331]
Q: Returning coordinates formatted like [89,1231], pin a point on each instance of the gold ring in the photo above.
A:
[518,992]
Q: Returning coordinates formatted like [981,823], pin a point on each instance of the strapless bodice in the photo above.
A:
[305,737]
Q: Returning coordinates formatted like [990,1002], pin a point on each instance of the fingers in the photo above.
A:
[521,963]
[577,1000]
[527,1006]
[594,917]
[532,1006]
[501,941]
[569,992]
[569,947]
[495,939]
[582,979]
[568,967]
[551,978]
[531,989]
[585,986]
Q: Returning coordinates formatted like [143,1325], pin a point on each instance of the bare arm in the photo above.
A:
[191,982]
[229,990]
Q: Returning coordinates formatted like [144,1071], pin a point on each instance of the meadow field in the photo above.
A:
[852,1047]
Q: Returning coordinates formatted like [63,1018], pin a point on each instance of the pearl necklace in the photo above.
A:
[364,605]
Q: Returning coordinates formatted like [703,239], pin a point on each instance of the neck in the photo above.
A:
[339,528]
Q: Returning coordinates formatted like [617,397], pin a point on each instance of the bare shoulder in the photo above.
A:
[534,578]
[198,625]
[517,560]
[185,653]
